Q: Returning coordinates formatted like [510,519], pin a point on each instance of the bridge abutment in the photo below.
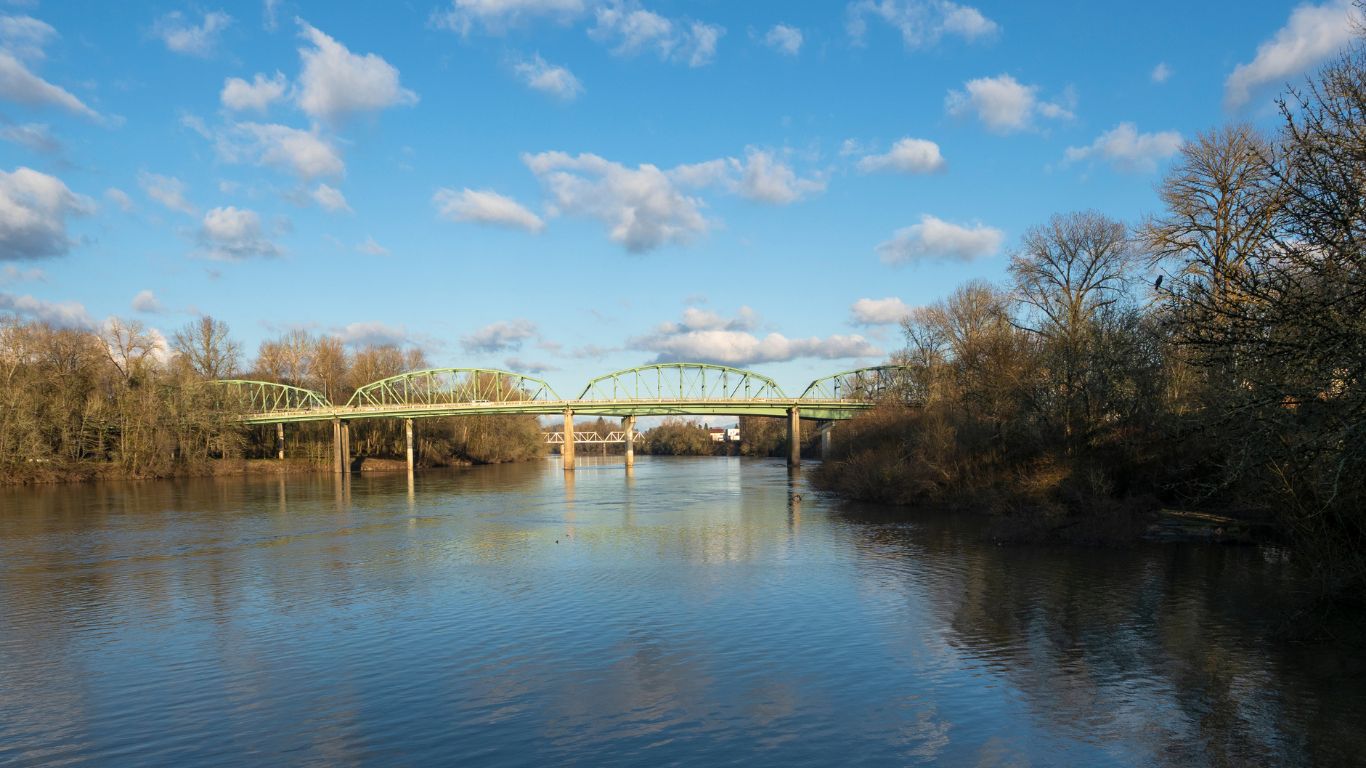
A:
[567,450]
[628,426]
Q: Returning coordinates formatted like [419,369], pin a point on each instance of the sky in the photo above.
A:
[570,187]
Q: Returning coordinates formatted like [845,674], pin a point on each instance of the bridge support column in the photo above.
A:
[408,433]
[346,447]
[567,450]
[628,427]
[336,446]
[826,428]
[794,437]
[280,439]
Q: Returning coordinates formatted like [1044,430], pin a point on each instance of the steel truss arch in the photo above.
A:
[452,386]
[267,397]
[873,384]
[682,382]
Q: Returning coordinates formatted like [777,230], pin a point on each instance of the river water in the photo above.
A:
[692,612]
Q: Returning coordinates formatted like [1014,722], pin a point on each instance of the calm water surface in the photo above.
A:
[694,612]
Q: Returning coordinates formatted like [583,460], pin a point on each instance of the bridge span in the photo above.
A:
[665,389]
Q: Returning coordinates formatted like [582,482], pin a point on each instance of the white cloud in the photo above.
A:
[336,83]
[502,336]
[184,36]
[484,206]
[372,248]
[936,239]
[19,85]
[258,95]
[12,274]
[888,311]
[233,234]
[63,314]
[522,365]
[906,156]
[33,211]
[1161,72]
[167,190]
[922,23]
[706,337]
[547,78]
[33,136]
[269,15]
[499,15]
[1005,105]
[1310,37]
[147,301]
[784,39]
[374,333]
[306,153]
[1128,150]
[633,30]
[769,180]
[330,199]
[120,198]
[25,36]
[643,208]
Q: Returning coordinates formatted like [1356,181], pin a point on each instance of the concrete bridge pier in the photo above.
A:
[567,450]
[794,437]
[408,433]
[346,447]
[628,426]
[826,430]
[336,446]
[280,440]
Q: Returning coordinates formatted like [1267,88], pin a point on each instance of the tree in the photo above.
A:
[1069,270]
[205,345]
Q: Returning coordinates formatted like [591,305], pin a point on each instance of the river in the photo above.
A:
[700,612]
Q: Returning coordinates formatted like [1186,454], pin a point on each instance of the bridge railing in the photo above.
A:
[682,382]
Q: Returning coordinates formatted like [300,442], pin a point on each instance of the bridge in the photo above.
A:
[664,389]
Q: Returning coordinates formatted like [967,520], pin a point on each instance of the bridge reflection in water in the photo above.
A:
[665,389]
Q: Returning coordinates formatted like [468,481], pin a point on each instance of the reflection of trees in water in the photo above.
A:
[1172,649]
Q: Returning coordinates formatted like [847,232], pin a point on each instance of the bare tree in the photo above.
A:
[1070,269]
[205,345]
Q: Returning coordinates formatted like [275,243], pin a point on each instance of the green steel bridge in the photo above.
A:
[664,389]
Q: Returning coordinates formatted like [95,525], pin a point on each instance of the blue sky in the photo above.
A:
[569,187]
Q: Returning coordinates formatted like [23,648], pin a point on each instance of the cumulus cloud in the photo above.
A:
[25,36]
[554,80]
[936,239]
[705,337]
[784,39]
[1311,35]
[499,15]
[643,208]
[33,136]
[234,234]
[370,247]
[632,30]
[184,36]
[922,23]
[767,179]
[1161,72]
[484,206]
[502,336]
[308,154]
[330,199]
[888,311]
[336,83]
[147,301]
[1004,104]
[63,314]
[167,190]
[120,198]
[906,156]
[522,365]
[240,95]
[20,85]
[33,211]
[1128,150]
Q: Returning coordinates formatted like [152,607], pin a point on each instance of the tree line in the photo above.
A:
[1211,354]
[123,401]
